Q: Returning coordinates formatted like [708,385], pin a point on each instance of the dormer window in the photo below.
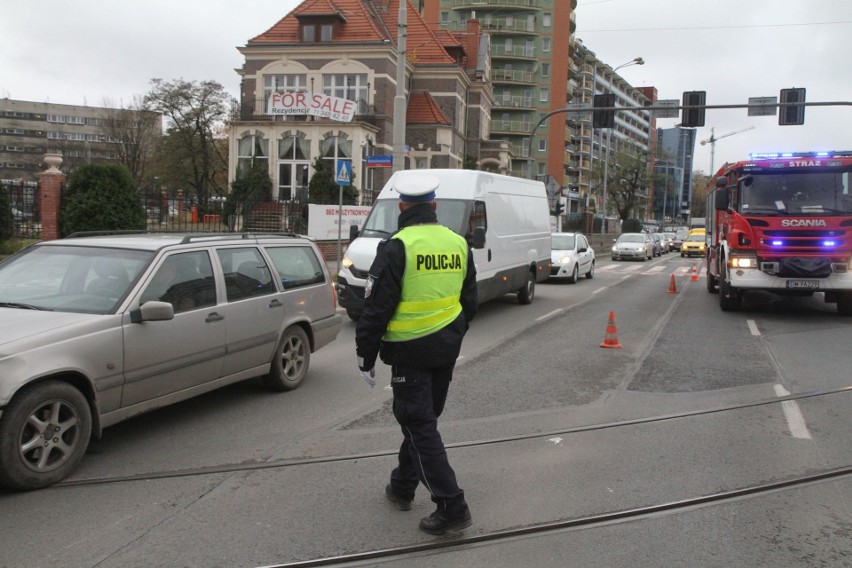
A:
[313,32]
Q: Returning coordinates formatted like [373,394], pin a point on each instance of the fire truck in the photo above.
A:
[781,223]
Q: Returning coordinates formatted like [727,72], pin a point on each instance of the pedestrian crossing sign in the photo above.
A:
[344,172]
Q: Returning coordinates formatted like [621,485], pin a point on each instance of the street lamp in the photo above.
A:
[634,61]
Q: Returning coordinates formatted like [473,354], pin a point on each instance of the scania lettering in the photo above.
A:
[782,224]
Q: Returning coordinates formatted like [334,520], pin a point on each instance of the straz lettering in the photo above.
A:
[803,223]
[804,163]
[439,261]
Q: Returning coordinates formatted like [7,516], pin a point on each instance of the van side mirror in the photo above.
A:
[721,198]
[353,232]
[477,238]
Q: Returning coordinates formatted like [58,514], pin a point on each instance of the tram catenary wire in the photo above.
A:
[282,463]
[590,521]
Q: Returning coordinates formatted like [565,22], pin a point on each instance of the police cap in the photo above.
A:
[416,187]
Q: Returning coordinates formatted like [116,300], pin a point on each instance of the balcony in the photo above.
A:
[475,4]
[518,127]
[504,26]
[515,101]
[512,76]
[516,52]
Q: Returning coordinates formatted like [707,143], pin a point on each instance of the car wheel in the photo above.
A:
[44,433]
[527,293]
[591,273]
[291,362]
[844,305]
[575,274]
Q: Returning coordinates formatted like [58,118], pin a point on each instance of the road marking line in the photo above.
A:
[752,327]
[654,269]
[549,314]
[795,420]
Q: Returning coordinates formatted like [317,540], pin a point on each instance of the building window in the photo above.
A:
[335,148]
[445,18]
[55,118]
[421,163]
[326,32]
[546,20]
[294,155]
[545,69]
[309,33]
[252,149]
[282,84]
[76,120]
[542,145]
[544,95]
[545,44]
[352,87]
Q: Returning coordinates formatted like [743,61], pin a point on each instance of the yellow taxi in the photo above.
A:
[693,245]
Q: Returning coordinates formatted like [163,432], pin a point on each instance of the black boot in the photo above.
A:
[440,522]
[401,503]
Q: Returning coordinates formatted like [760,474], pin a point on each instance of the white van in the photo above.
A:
[505,219]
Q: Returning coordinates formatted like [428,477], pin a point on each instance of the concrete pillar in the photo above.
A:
[50,187]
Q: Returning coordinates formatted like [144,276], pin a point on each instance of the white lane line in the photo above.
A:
[549,314]
[795,420]
[752,327]
[631,268]
[655,269]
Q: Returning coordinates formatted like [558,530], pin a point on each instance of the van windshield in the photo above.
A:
[382,221]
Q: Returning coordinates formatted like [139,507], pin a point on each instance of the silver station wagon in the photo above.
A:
[95,330]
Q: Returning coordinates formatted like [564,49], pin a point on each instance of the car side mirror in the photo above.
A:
[353,232]
[152,311]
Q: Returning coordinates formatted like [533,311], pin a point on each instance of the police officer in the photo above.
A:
[419,299]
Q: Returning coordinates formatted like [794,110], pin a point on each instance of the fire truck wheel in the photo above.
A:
[712,283]
[730,298]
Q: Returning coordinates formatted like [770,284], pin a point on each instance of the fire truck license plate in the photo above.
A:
[808,284]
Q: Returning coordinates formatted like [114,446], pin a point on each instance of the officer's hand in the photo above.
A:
[368,377]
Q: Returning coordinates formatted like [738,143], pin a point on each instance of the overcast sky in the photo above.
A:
[89,51]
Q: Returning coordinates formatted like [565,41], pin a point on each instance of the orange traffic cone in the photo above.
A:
[694,277]
[611,340]
[672,288]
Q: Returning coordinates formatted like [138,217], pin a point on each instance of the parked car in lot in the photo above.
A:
[668,239]
[571,255]
[694,244]
[99,329]
[632,246]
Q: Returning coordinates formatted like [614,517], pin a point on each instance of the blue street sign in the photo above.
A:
[344,172]
[380,161]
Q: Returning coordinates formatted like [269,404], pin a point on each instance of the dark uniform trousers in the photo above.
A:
[419,395]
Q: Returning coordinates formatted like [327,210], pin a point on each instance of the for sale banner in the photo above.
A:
[314,104]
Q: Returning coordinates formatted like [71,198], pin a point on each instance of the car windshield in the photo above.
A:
[382,220]
[695,239]
[77,279]
[631,239]
[818,193]
[562,242]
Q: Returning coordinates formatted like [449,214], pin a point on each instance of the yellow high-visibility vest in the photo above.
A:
[435,267]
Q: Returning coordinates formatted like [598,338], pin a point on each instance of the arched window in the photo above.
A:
[251,148]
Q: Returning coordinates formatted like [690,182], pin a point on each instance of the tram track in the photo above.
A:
[579,523]
[286,463]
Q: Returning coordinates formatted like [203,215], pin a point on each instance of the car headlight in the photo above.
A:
[346,262]
[564,260]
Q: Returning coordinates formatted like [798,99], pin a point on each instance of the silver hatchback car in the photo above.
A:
[633,245]
[99,329]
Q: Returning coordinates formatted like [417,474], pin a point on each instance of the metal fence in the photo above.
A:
[167,212]
[22,197]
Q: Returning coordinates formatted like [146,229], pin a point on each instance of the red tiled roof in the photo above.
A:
[364,23]
[423,109]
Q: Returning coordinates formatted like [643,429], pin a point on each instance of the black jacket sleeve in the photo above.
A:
[385,281]
[469,298]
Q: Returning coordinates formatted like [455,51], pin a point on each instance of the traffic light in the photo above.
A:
[560,208]
[691,117]
[793,114]
[603,118]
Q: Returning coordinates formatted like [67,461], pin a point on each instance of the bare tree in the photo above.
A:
[136,131]
[195,111]
[627,183]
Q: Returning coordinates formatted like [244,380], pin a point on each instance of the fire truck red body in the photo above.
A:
[782,223]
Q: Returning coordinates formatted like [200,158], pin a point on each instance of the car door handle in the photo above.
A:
[214,316]
[275,303]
